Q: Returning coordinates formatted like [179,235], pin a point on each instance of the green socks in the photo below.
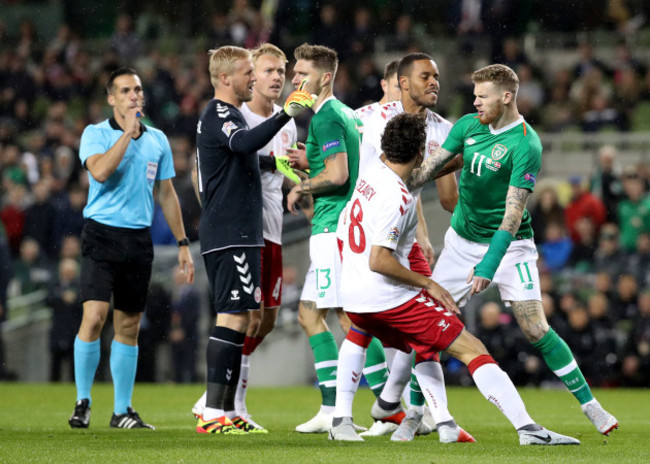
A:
[559,359]
[326,355]
[375,370]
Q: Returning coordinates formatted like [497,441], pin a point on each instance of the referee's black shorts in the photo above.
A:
[234,275]
[116,261]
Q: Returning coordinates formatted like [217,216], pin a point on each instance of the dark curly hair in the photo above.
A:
[404,137]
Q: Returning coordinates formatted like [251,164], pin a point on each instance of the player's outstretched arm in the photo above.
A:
[430,168]
[483,273]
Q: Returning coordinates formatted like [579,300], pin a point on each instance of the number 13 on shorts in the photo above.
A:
[323,281]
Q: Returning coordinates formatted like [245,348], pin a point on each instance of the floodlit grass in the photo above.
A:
[34,428]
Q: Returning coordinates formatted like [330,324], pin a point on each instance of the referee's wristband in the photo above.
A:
[490,262]
[184,242]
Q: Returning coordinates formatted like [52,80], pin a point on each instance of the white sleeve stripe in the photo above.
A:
[231,136]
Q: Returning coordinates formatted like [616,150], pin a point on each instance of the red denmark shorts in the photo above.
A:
[271,274]
[418,262]
[421,323]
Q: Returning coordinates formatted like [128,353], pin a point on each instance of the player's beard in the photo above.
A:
[422,100]
[492,115]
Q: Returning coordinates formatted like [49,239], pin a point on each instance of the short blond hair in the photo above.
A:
[498,74]
[268,49]
[222,60]
[323,58]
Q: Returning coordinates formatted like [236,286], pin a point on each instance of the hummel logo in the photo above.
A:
[228,374]
[545,439]
[355,376]
[470,141]
[234,295]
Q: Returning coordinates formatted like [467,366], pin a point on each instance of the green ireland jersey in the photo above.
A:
[335,128]
[493,161]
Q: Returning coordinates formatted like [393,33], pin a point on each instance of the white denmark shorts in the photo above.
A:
[323,277]
[517,277]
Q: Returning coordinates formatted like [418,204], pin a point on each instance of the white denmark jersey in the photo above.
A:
[272,181]
[437,130]
[381,212]
[365,112]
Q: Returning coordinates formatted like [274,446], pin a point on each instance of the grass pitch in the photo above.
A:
[34,428]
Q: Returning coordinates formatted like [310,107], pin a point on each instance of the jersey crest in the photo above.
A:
[499,151]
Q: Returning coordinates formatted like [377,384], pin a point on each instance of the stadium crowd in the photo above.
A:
[594,247]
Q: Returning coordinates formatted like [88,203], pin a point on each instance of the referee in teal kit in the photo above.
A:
[124,158]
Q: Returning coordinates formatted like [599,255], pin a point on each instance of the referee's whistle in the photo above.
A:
[138,115]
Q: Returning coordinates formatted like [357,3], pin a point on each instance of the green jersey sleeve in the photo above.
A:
[527,161]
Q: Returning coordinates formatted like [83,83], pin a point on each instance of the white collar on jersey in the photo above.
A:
[317,109]
[508,127]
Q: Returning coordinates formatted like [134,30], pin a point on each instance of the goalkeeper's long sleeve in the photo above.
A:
[251,140]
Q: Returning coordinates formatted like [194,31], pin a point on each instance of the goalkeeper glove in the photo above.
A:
[282,165]
[298,101]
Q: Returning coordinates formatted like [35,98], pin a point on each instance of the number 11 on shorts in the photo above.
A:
[529,284]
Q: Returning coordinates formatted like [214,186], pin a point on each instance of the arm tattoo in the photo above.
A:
[320,183]
[430,167]
[515,206]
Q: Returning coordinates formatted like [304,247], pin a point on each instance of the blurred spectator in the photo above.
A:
[606,356]
[609,258]
[582,340]
[183,150]
[601,114]
[624,304]
[41,219]
[63,299]
[369,83]
[290,288]
[554,318]
[606,182]
[219,30]
[587,61]
[634,211]
[154,328]
[558,113]
[125,41]
[513,57]
[32,271]
[161,234]
[362,35]
[467,15]
[402,37]
[71,218]
[331,32]
[6,274]
[183,334]
[530,95]
[499,336]
[556,248]
[582,254]
[13,215]
[639,261]
[582,204]
[547,209]
[636,361]
[71,248]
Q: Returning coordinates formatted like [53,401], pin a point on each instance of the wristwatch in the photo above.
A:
[184,242]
